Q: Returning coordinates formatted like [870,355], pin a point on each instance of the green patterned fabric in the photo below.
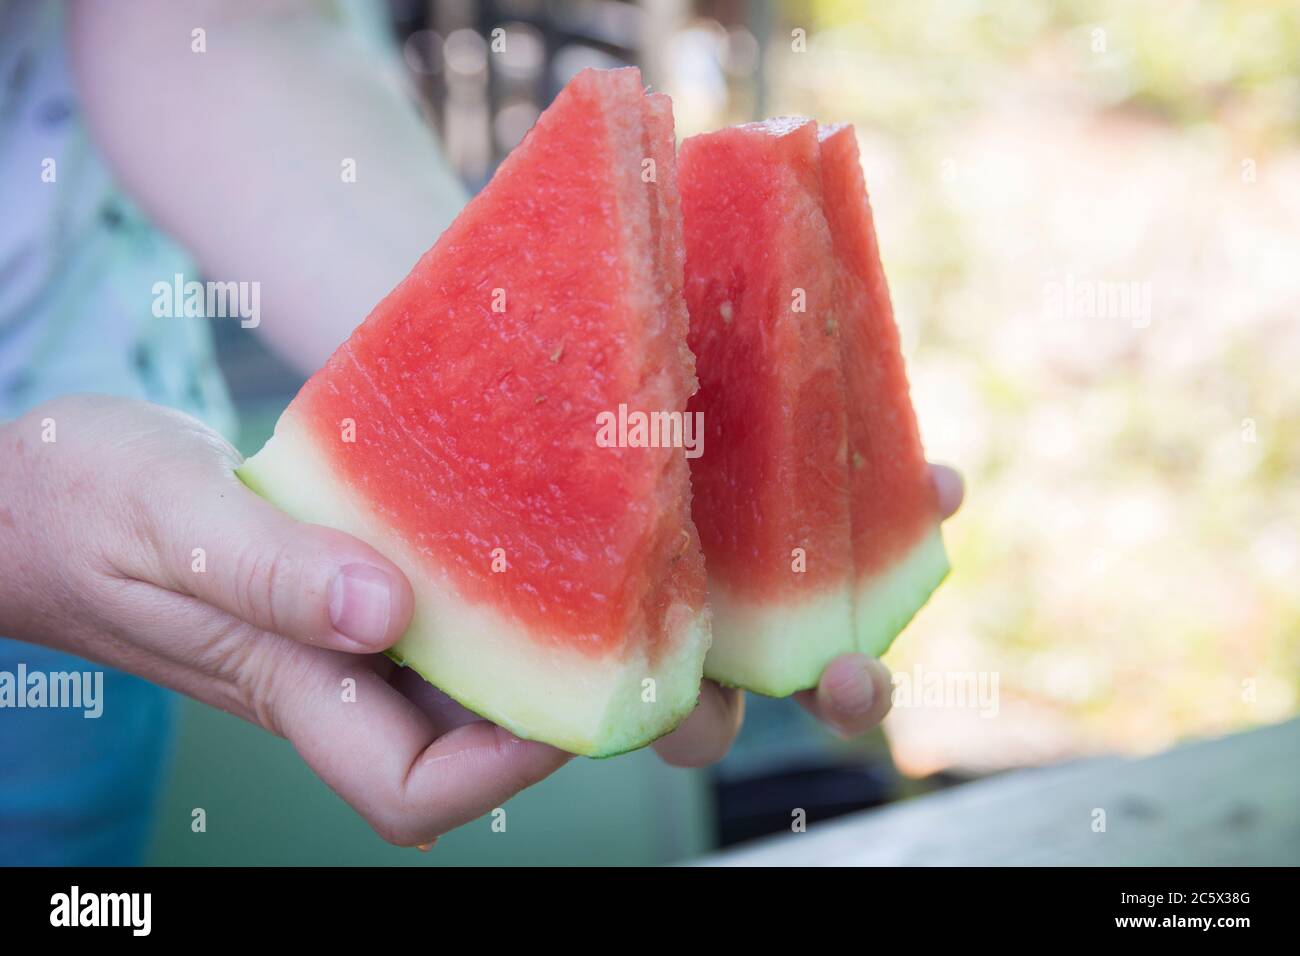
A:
[77,260]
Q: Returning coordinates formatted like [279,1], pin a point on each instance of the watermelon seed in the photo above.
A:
[539,399]
[725,310]
[555,356]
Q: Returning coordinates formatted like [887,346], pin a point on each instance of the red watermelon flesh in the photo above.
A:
[898,555]
[559,583]
[818,523]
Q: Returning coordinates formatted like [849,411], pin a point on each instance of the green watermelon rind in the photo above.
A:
[290,473]
[608,742]
[886,604]
[779,648]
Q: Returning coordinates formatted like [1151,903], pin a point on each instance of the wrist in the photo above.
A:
[43,535]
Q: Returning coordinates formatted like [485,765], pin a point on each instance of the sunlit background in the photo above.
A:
[1088,214]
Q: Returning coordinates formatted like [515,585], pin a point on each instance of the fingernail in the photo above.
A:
[361,604]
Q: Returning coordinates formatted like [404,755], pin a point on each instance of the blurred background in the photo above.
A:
[1087,212]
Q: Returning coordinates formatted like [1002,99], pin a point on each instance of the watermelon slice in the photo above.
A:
[559,584]
[819,524]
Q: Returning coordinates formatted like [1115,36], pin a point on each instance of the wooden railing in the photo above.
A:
[1229,801]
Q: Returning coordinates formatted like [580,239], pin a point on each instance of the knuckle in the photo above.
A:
[262,575]
[226,651]
[269,673]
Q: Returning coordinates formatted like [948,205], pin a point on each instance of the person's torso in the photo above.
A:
[78,261]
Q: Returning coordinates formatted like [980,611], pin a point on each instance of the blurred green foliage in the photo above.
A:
[1187,60]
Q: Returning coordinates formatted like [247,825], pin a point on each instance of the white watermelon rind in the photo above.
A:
[777,648]
[535,687]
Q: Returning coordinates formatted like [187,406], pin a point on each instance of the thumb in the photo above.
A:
[221,543]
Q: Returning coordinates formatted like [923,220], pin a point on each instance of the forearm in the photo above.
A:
[238,153]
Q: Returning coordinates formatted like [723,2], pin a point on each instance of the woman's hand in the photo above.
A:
[852,697]
[125,537]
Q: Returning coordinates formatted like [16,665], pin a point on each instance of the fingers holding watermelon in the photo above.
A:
[854,693]
[127,539]
[412,771]
[852,697]
[706,735]
[313,584]
[143,551]
[948,489]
